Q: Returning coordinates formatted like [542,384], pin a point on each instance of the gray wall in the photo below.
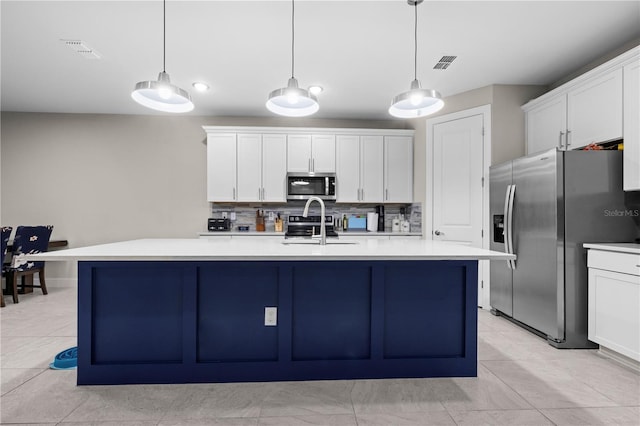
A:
[105,178]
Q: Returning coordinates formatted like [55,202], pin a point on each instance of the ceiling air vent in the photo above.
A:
[82,49]
[444,62]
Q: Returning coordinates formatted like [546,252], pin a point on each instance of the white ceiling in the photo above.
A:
[361,52]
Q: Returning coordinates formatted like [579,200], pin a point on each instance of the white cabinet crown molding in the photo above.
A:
[308,130]
[619,61]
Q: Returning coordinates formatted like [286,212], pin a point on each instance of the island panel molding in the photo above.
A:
[199,321]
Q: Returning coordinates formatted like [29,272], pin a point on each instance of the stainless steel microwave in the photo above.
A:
[301,186]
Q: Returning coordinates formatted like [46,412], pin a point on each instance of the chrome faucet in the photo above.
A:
[323,228]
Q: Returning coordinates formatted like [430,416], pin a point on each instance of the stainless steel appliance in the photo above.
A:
[300,226]
[543,208]
[301,186]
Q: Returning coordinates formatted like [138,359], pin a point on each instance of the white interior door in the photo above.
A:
[457,181]
[458,184]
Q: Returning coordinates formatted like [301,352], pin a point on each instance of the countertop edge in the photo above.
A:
[630,248]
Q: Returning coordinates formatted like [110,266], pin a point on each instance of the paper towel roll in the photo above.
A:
[372,222]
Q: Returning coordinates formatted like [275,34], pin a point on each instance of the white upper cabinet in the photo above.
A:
[249,167]
[359,169]
[250,164]
[246,167]
[398,169]
[372,169]
[221,167]
[274,168]
[547,125]
[588,109]
[631,162]
[594,111]
[311,154]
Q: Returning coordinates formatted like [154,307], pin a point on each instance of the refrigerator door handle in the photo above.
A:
[510,224]
[505,231]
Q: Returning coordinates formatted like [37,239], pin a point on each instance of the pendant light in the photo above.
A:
[417,102]
[292,101]
[161,95]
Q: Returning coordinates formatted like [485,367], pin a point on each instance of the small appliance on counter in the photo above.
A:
[357,223]
[372,222]
[218,224]
[380,211]
[299,226]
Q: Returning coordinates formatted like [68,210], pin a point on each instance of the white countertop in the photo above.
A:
[619,247]
[269,249]
[342,234]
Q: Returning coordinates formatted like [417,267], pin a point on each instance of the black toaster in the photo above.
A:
[218,224]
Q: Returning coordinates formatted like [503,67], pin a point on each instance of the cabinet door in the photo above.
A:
[594,111]
[631,165]
[547,125]
[249,167]
[323,153]
[299,153]
[274,168]
[398,169]
[613,311]
[221,167]
[348,169]
[372,169]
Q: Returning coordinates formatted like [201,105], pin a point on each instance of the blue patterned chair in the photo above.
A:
[6,233]
[27,240]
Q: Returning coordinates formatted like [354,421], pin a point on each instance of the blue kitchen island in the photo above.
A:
[187,311]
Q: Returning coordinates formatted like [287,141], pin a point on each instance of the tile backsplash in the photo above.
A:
[245,214]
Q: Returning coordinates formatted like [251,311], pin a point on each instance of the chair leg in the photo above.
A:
[43,285]
[14,280]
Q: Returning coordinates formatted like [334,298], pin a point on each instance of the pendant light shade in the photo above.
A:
[161,95]
[417,102]
[292,101]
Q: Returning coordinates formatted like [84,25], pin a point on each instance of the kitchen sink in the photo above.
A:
[317,242]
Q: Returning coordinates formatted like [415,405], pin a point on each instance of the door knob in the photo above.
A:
[438,232]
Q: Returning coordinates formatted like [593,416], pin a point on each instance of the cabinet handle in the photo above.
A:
[386,194]
[234,193]
[259,194]
[560,140]
[313,164]
[568,143]
[362,194]
[262,194]
[309,165]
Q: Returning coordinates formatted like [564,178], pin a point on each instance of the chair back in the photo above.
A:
[29,240]
[6,233]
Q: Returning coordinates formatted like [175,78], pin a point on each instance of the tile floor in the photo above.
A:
[521,381]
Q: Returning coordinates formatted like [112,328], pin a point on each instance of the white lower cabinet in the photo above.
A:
[614,301]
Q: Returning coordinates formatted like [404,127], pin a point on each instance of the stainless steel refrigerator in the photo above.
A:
[544,207]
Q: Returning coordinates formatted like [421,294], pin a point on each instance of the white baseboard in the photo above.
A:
[621,359]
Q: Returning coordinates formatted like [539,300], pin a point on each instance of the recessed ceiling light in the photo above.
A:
[315,90]
[200,87]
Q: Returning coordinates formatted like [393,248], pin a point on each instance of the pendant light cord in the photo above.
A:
[164,34]
[293,34]
[415,42]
